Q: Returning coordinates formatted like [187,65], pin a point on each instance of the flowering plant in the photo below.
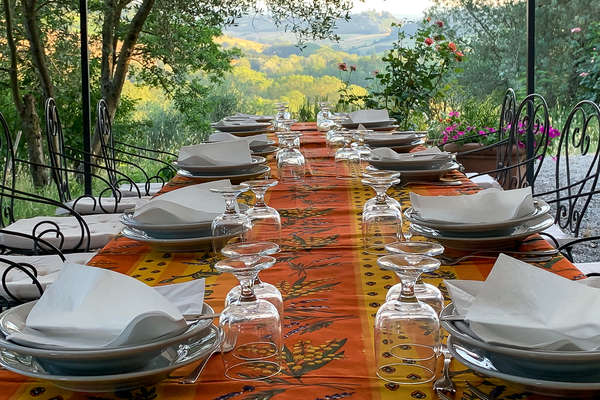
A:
[413,78]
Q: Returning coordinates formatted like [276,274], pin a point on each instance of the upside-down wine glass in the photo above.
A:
[407,331]
[383,176]
[382,222]
[266,221]
[425,292]
[347,159]
[334,136]
[251,346]
[231,223]
[360,146]
[290,161]
[262,290]
[324,123]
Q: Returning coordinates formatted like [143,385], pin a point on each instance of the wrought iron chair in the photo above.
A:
[513,163]
[108,201]
[574,187]
[110,151]
[46,235]
[507,114]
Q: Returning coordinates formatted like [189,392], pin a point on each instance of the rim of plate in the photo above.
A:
[259,169]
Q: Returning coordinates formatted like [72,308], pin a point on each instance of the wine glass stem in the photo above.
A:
[407,294]
[229,203]
[260,198]
[247,293]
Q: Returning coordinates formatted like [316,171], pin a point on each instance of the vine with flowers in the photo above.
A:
[413,78]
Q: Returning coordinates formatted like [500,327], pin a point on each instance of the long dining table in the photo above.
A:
[331,290]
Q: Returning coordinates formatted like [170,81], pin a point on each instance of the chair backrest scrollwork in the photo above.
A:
[8,174]
[56,150]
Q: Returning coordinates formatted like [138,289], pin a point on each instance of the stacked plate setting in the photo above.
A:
[236,172]
[143,355]
[419,166]
[399,141]
[243,127]
[469,236]
[558,373]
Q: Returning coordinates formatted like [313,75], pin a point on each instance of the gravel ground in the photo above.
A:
[579,165]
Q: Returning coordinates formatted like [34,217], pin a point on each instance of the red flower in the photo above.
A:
[429,41]
[428,19]
[459,53]
[342,67]
[439,23]
[353,68]
[452,46]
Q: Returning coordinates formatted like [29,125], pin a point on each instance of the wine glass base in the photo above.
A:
[252,370]
[412,374]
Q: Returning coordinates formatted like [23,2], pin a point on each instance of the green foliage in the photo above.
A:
[587,62]
[413,76]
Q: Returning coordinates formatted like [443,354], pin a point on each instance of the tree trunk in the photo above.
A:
[33,136]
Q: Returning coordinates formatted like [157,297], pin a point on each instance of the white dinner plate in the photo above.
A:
[90,361]
[238,175]
[478,361]
[219,169]
[177,244]
[157,368]
[540,208]
[243,126]
[481,240]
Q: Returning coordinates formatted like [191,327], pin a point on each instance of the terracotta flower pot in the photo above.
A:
[484,160]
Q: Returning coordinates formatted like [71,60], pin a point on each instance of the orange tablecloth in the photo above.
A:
[331,291]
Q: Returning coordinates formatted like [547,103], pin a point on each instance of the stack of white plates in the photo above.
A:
[559,373]
[235,172]
[401,142]
[105,369]
[417,169]
[173,237]
[471,236]
[383,125]
[244,127]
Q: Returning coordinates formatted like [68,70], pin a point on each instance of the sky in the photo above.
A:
[396,7]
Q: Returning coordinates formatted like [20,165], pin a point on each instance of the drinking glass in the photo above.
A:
[290,161]
[323,121]
[334,136]
[360,146]
[347,159]
[262,290]
[382,222]
[231,223]
[252,344]
[407,331]
[425,292]
[382,175]
[266,222]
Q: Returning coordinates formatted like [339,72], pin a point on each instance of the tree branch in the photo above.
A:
[13,71]
[126,50]
[36,47]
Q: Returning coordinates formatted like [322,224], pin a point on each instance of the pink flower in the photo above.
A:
[429,41]
[576,30]
[454,114]
[460,133]
[452,46]
[584,74]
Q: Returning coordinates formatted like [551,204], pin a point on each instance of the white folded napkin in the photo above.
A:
[219,153]
[487,206]
[433,153]
[362,116]
[103,227]
[190,204]
[128,190]
[525,306]
[48,268]
[90,307]
[254,141]
[387,137]
[86,205]
[246,123]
